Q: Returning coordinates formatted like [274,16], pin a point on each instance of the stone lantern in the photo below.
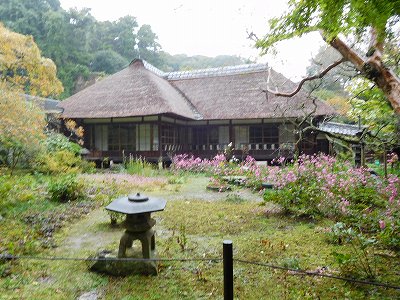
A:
[138,225]
[138,222]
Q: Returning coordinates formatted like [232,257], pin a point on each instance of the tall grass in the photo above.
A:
[139,166]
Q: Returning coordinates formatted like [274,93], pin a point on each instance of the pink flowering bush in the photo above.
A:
[321,186]
[219,166]
[184,162]
[389,221]
[317,186]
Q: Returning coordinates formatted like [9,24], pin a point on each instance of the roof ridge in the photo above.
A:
[208,72]
[344,124]
[217,71]
[153,69]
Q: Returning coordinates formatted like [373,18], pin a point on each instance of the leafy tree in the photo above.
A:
[23,69]
[336,79]
[68,44]
[108,61]
[367,103]
[148,46]
[27,17]
[180,62]
[21,127]
[118,36]
[22,66]
[342,23]
[124,37]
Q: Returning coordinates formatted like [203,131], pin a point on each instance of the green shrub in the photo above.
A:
[61,156]
[58,142]
[59,162]
[65,188]
[16,190]
[389,233]
[62,162]
[87,166]
[298,199]
[362,197]
[360,261]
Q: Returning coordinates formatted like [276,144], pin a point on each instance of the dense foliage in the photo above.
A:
[360,30]
[65,188]
[21,129]
[79,44]
[334,18]
[23,67]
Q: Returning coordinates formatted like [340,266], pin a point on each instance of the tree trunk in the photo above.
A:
[374,70]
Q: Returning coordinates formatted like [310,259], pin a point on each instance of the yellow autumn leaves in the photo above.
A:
[21,122]
[22,71]
[23,67]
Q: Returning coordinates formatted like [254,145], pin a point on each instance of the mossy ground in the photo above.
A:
[194,225]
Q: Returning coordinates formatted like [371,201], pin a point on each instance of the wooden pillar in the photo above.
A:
[159,137]
[231,135]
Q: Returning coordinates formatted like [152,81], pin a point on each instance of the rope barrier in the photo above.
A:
[52,258]
[215,259]
[309,273]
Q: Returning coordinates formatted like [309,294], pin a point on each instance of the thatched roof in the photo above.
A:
[134,91]
[217,93]
[244,96]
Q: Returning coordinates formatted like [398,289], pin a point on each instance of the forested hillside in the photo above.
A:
[79,44]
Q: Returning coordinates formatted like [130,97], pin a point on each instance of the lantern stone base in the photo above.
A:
[109,264]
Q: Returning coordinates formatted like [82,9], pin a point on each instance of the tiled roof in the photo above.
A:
[212,72]
[340,128]
[46,104]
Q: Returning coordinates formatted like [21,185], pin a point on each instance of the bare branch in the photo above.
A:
[252,36]
[301,83]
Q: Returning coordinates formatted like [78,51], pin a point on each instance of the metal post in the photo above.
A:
[228,270]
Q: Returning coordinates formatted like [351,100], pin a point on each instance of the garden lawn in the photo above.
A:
[194,225]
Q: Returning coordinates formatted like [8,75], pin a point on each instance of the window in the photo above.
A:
[127,137]
[213,138]
[101,137]
[223,134]
[155,137]
[88,137]
[271,134]
[199,135]
[169,135]
[256,134]
[267,134]
[121,137]
[241,136]
[144,137]
[113,137]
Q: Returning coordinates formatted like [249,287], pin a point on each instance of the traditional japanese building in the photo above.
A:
[145,112]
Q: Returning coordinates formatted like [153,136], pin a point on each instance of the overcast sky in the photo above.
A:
[210,27]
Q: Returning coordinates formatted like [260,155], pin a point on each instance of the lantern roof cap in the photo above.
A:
[136,204]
